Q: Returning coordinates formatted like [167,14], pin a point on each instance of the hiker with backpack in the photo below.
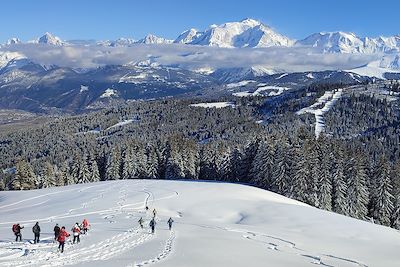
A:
[76,232]
[85,226]
[17,231]
[170,221]
[154,213]
[152,225]
[141,222]
[36,232]
[56,231]
[61,238]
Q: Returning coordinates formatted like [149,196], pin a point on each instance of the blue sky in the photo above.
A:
[74,19]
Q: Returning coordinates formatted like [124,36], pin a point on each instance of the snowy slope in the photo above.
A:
[378,68]
[216,224]
[322,106]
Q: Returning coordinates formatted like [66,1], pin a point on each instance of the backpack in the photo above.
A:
[14,228]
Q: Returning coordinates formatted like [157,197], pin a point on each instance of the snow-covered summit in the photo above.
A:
[50,39]
[13,41]
[153,39]
[245,33]
[122,42]
[333,42]
[347,42]
[187,37]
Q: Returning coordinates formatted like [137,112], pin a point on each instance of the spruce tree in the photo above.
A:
[48,178]
[382,211]
[395,217]
[25,178]
[357,190]
[261,170]
[300,187]
[113,165]
[325,182]
[339,185]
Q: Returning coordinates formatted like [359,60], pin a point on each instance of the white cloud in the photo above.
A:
[191,57]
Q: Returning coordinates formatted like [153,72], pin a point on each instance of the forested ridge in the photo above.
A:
[352,169]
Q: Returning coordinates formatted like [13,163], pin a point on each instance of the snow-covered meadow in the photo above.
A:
[216,224]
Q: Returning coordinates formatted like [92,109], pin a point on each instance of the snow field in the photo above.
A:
[216,224]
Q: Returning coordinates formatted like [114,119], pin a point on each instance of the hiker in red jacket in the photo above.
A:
[61,238]
[17,231]
[85,226]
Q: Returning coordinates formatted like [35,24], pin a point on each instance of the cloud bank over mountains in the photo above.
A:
[191,57]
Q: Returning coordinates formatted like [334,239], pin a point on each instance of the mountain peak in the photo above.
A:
[13,41]
[245,33]
[50,39]
[153,39]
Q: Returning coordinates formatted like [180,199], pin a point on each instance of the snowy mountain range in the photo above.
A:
[251,33]
[343,42]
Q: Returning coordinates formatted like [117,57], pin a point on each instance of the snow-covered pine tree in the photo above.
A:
[113,165]
[84,175]
[325,179]
[25,178]
[208,163]
[225,171]
[48,176]
[339,184]
[262,165]
[94,170]
[151,170]
[300,188]
[313,157]
[281,170]
[395,218]
[382,210]
[174,168]
[127,164]
[236,164]
[357,190]
[248,155]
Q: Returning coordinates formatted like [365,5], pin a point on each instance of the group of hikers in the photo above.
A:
[152,223]
[60,234]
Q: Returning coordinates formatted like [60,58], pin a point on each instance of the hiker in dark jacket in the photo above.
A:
[17,231]
[36,232]
[170,221]
[152,225]
[56,231]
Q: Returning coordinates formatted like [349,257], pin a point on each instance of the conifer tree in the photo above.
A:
[25,178]
[395,217]
[382,211]
[357,191]
[261,170]
[339,185]
[48,176]
[300,187]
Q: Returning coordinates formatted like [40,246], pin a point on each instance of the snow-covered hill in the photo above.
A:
[245,33]
[216,224]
